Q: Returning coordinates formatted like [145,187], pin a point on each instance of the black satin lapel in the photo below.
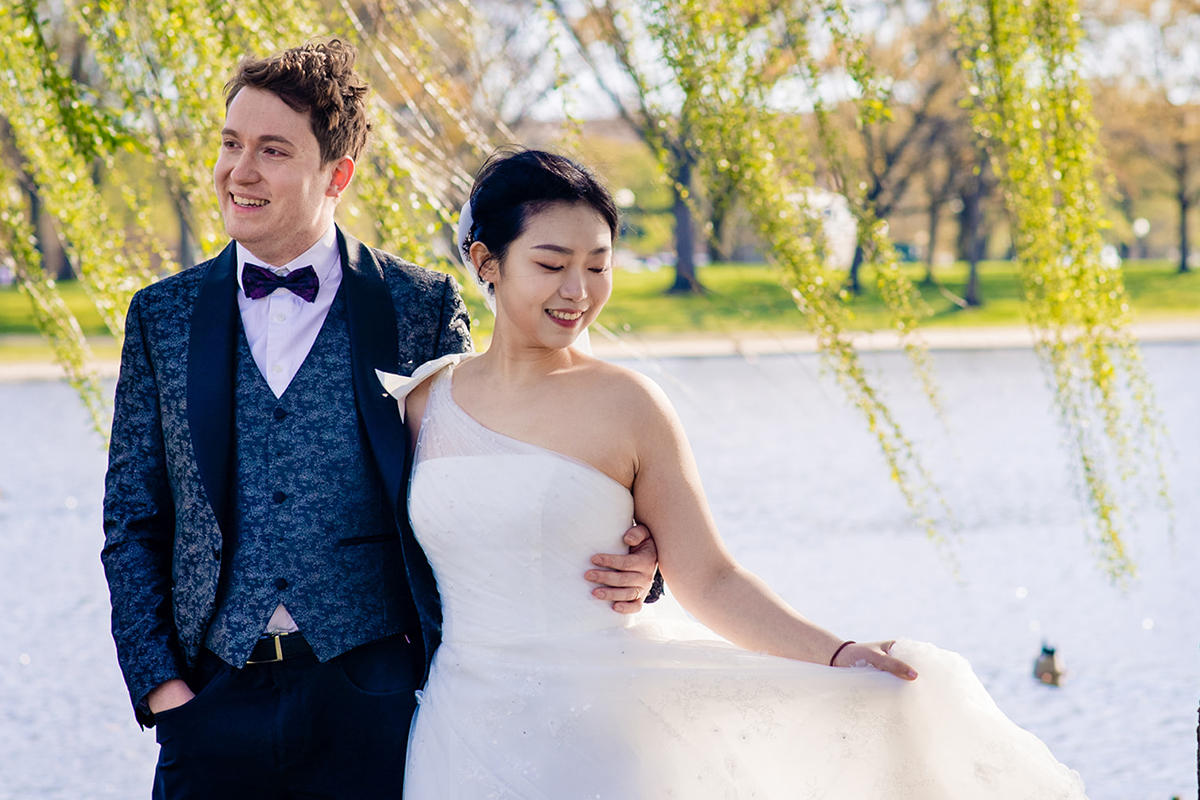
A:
[210,380]
[373,345]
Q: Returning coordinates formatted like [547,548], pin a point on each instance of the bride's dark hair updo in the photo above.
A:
[515,183]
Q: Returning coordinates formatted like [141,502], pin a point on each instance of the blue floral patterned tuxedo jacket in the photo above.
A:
[168,492]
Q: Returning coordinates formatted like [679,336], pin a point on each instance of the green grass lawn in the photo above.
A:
[751,298]
[20,339]
[740,298]
[16,314]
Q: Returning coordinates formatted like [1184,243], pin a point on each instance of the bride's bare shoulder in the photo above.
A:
[629,391]
[634,413]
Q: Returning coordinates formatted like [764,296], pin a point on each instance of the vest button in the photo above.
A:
[216,554]
[281,584]
[280,413]
[279,497]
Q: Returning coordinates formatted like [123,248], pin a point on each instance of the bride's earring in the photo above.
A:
[488,269]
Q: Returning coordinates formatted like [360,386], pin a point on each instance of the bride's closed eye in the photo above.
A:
[550,267]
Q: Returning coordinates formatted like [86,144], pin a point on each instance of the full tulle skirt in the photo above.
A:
[640,713]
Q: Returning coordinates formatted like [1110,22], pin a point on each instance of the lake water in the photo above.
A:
[802,497]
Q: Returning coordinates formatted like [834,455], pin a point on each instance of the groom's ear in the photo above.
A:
[339,179]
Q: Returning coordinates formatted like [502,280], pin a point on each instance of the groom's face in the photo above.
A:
[276,197]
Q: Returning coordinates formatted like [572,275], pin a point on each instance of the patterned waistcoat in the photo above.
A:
[313,529]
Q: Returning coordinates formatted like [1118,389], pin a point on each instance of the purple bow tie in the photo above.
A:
[260,282]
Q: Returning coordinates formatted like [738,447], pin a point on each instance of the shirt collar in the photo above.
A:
[323,257]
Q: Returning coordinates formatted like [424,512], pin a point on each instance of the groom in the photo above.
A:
[272,611]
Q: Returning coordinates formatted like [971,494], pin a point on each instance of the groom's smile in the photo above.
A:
[248,202]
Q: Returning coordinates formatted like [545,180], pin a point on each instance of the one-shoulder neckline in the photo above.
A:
[449,379]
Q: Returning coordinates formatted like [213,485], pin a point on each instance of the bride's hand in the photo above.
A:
[625,580]
[875,654]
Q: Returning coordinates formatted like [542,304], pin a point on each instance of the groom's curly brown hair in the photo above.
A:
[317,78]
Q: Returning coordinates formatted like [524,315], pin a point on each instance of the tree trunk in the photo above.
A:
[973,295]
[186,259]
[853,284]
[721,198]
[187,256]
[54,256]
[686,281]
[972,240]
[1184,206]
[1125,202]
[935,213]
[1183,169]
[716,253]
[973,233]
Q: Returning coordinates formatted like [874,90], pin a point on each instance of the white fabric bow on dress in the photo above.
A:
[400,387]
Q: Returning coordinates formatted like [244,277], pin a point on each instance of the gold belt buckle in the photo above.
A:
[277,638]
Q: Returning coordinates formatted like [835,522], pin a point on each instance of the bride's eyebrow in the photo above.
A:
[566,251]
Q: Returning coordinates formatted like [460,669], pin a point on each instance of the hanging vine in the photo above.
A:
[413,170]
[1033,110]
[53,318]
[62,139]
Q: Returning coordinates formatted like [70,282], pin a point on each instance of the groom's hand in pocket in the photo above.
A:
[169,695]
[625,580]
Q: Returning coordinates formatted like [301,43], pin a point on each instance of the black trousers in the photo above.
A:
[295,729]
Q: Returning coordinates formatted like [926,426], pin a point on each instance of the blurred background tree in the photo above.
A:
[1147,85]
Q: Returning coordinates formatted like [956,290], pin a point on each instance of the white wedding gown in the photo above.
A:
[541,692]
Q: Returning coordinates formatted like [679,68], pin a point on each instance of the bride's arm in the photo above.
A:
[695,562]
[414,410]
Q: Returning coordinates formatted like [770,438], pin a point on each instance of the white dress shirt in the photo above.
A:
[281,329]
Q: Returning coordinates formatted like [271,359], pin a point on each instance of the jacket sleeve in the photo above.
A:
[454,326]
[139,525]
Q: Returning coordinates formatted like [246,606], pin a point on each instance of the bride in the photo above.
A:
[533,455]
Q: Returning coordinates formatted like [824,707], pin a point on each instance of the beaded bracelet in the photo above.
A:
[838,652]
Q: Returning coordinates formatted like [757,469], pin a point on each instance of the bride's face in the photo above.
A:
[556,276]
